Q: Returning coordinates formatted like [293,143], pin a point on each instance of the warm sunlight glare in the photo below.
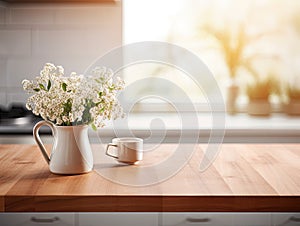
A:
[244,40]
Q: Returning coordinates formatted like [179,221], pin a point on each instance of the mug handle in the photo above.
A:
[107,149]
[38,140]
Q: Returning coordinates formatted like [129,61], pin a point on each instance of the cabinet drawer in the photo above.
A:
[252,219]
[205,219]
[286,219]
[36,219]
[216,219]
[116,219]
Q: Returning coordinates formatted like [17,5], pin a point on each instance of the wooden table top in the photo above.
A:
[243,177]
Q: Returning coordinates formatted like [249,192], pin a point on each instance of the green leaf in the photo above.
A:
[49,85]
[64,86]
[94,127]
[67,107]
[112,87]
[42,86]
[36,89]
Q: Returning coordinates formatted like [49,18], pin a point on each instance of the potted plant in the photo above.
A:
[258,94]
[233,45]
[293,106]
[231,48]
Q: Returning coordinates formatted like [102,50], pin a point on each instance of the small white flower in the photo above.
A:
[75,98]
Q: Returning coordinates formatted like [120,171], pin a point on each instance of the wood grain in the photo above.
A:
[2,208]
[244,177]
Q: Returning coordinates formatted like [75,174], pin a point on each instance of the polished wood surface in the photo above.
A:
[243,177]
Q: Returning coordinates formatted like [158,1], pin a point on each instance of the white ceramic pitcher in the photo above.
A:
[71,152]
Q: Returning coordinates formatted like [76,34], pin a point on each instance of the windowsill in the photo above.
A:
[155,127]
[238,128]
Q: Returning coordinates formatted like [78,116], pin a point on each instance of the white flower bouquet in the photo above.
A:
[75,99]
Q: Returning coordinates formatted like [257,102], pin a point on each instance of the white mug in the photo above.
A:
[128,149]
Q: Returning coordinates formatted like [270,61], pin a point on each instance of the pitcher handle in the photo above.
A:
[38,139]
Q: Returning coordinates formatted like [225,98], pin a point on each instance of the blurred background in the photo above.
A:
[251,47]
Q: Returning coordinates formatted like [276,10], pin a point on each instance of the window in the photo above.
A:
[242,41]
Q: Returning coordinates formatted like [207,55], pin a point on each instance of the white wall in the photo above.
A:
[71,35]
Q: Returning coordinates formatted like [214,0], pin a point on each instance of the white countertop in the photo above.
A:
[157,126]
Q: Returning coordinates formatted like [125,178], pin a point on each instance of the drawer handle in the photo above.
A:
[45,220]
[295,219]
[197,220]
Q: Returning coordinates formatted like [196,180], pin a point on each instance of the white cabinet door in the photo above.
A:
[118,219]
[286,219]
[205,219]
[37,219]
[252,219]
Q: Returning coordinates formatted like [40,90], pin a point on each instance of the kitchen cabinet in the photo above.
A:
[37,219]
[216,219]
[205,219]
[150,219]
[114,219]
[252,219]
[285,219]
